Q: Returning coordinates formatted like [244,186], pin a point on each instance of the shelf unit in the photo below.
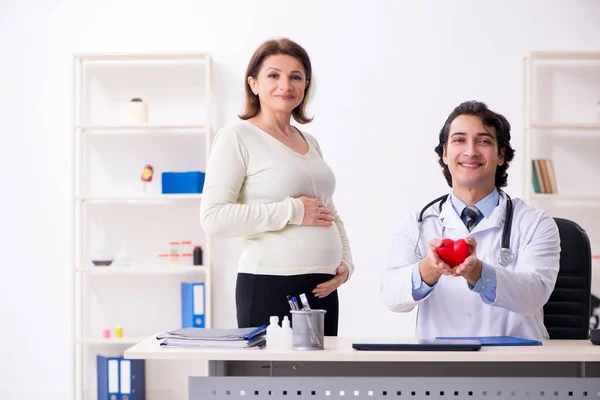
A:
[561,114]
[562,108]
[561,74]
[186,125]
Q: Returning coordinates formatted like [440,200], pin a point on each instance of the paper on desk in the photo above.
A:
[201,334]
[215,344]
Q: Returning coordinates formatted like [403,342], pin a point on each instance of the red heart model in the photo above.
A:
[453,253]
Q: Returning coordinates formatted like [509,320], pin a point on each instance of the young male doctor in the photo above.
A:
[503,284]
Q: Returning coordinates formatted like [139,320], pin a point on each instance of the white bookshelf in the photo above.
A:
[108,157]
[562,123]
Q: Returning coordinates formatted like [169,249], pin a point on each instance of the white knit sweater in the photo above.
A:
[251,189]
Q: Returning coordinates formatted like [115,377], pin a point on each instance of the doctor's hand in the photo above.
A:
[315,212]
[341,275]
[470,269]
[432,267]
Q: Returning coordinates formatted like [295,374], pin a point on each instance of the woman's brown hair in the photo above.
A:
[269,48]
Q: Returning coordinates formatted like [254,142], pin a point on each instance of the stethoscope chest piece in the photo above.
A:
[506,257]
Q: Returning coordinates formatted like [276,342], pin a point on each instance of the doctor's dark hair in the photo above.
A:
[270,48]
[490,119]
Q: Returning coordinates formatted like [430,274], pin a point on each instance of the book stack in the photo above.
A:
[243,338]
[543,177]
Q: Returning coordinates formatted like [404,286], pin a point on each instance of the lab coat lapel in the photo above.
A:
[449,218]
[495,220]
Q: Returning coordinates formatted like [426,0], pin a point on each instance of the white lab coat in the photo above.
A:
[451,308]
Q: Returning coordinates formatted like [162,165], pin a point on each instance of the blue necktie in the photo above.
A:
[471,214]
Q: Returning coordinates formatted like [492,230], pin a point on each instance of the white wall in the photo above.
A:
[387,73]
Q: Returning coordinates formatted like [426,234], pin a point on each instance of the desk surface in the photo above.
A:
[340,349]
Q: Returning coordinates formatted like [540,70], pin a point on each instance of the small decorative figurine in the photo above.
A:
[147,174]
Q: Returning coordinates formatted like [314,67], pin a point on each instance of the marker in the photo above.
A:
[304,300]
[295,303]
[290,302]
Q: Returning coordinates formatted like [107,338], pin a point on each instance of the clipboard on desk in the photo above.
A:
[496,340]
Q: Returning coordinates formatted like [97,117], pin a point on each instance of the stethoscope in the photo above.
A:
[506,255]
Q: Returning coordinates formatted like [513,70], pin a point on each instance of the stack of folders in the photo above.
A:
[201,338]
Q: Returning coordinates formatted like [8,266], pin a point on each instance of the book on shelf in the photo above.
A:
[543,177]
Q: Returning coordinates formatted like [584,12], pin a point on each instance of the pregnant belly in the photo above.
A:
[299,245]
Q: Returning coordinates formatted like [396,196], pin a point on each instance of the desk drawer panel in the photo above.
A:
[345,388]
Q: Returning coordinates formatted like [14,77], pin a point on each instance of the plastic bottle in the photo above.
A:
[274,333]
[286,334]
[198,255]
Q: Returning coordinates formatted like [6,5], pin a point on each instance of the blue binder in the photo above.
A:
[192,305]
[120,379]
[498,340]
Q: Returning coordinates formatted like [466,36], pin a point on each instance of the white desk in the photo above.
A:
[556,370]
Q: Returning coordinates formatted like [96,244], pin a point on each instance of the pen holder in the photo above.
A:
[308,329]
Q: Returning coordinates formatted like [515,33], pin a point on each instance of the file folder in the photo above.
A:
[192,305]
[497,340]
[120,379]
[133,380]
[108,378]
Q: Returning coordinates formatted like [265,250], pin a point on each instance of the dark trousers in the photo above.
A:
[258,297]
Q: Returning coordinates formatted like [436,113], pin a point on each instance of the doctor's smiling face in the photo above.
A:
[471,154]
[474,150]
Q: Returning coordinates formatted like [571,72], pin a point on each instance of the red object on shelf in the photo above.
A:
[147,173]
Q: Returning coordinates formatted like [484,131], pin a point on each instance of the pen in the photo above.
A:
[304,300]
[311,328]
[290,302]
[295,303]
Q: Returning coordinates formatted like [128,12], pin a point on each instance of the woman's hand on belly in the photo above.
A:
[341,275]
[315,212]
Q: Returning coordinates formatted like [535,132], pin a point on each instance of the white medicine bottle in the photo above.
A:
[286,334]
[274,333]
